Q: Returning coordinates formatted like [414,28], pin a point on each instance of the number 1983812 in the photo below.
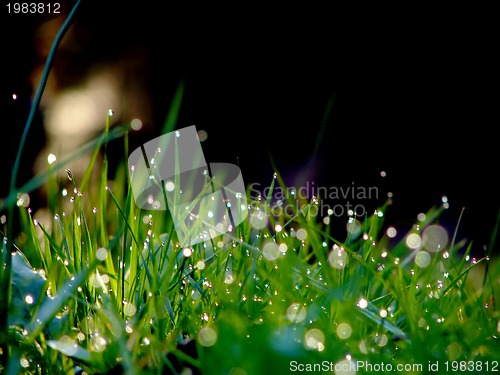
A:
[34,8]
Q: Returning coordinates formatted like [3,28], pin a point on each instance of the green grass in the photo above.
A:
[101,285]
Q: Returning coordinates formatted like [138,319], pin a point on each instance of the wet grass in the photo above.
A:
[100,285]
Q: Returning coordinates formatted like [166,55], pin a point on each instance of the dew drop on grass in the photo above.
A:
[338,257]
[422,259]
[315,339]
[29,299]
[110,112]
[24,362]
[391,232]
[271,251]
[362,347]
[381,340]
[353,227]
[434,238]
[195,295]
[69,174]
[129,309]
[283,247]
[344,331]
[207,336]
[136,124]
[301,234]
[51,159]
[258,220]
[413,241]
[296,313]
[362,303]
[97,343]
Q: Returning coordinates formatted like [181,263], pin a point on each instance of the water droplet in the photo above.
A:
[51,158]
[422,259]
[29,299]
[296,313]
[101,254]
[353,227]
[344,331]
[434,238]
[301,234]
[136,124]
[258,220]
[23,200]
[24,362]
[170,186]
[97,343]
[315,339]
[207,336]
[381,340]
[362,303]
[110,112]
[129,309]
[94,210]
[413,241]
[271,251]
[202,135]
[338,257]
[187,252]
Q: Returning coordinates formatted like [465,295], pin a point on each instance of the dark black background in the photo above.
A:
[413,93]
